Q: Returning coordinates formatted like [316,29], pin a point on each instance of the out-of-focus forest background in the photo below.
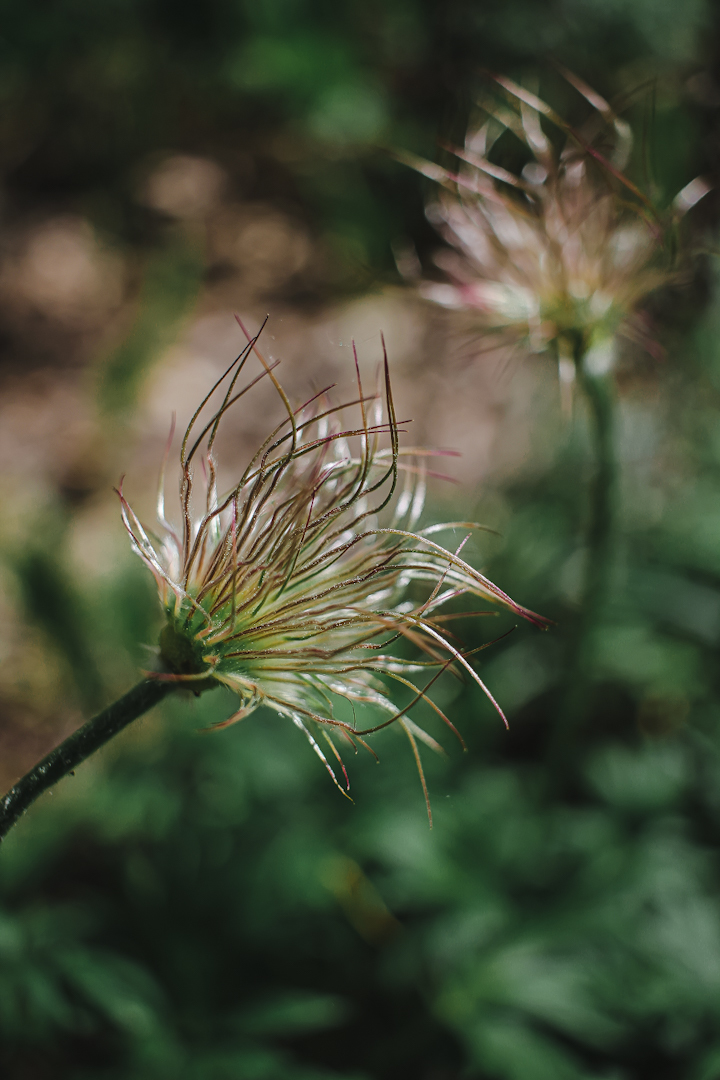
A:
[206,907]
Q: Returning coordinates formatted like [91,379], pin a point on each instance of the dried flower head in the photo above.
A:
[289,588]
[561,255]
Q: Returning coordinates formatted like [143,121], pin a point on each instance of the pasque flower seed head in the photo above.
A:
[560,255]
[292,586]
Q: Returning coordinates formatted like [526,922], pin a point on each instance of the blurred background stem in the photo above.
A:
[78,747]
[598,390]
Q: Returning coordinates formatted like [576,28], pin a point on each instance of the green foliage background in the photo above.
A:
[207,907]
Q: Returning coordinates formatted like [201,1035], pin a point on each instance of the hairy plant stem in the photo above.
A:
[599,550]
[79,746]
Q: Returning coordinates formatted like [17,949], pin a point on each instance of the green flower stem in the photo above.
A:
[79,746]
[599,394]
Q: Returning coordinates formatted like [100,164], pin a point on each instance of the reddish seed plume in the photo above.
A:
[287,588]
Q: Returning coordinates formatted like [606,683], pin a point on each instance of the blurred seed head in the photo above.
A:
[560,256]
[291,587]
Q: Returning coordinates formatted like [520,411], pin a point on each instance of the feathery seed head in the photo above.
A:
[290,587]
[560,256]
